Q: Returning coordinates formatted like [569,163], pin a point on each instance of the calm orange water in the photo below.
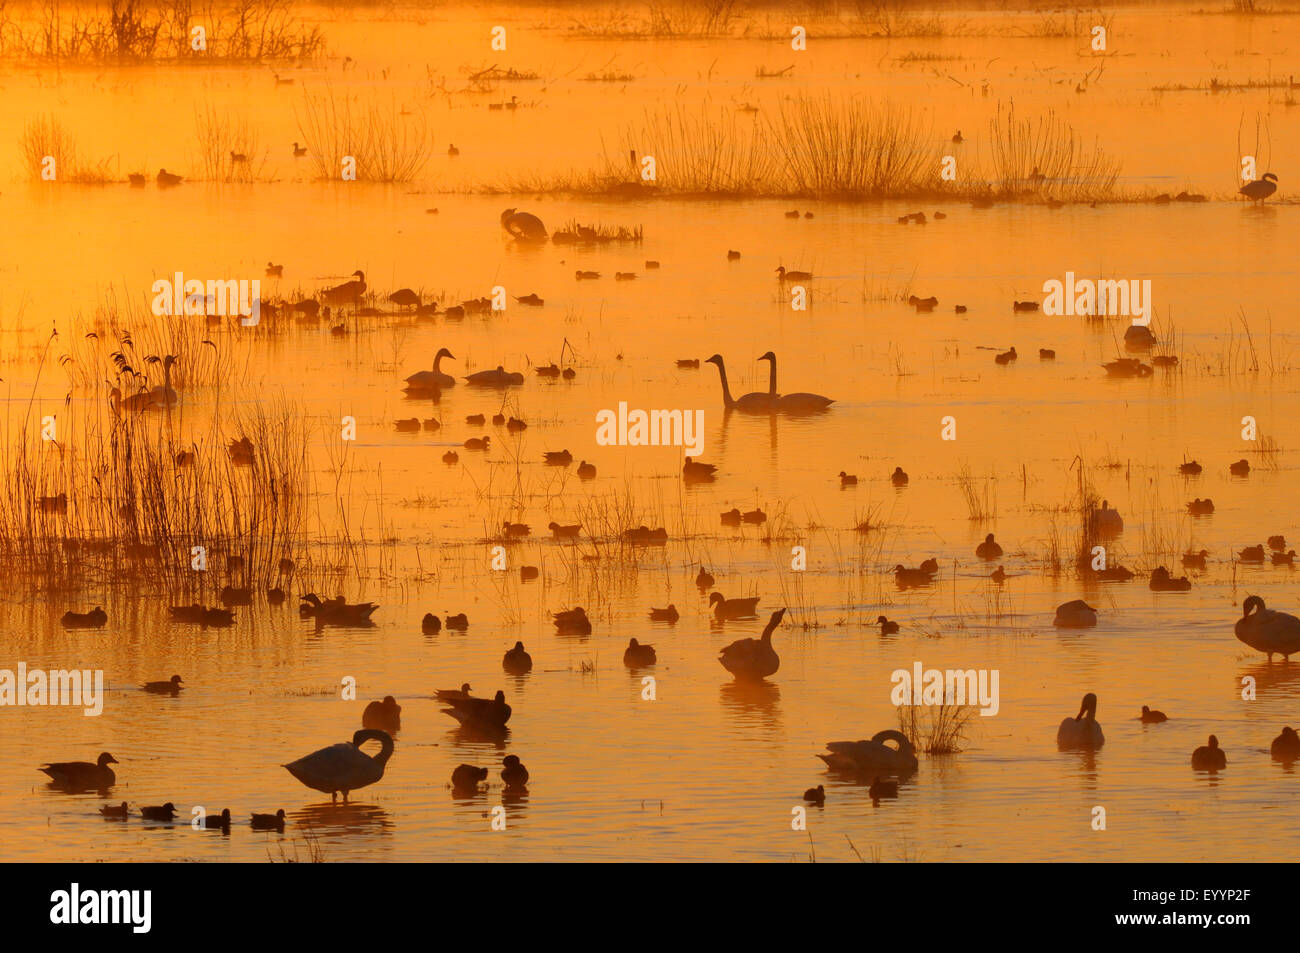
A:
[710,769]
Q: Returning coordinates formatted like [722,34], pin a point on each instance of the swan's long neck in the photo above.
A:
[771,378]
[726,391]
[384,739]
[437,360]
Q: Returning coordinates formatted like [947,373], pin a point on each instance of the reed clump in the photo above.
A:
[44,140]
[385,145]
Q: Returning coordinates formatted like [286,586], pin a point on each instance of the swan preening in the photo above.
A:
[344,766]
[873,758]
[523,226]
[1267,630]
[1082,731]
[758,402]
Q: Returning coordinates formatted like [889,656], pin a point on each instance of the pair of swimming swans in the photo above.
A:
[770,402]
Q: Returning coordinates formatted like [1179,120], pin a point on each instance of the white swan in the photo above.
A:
[1268,630]
[1082,731]
[344,766]
[873,757]
[429,380]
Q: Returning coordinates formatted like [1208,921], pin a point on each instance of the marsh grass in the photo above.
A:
[936,729]
[387,146]
[46,136]
[1071,171]
[218,138]
[980,498]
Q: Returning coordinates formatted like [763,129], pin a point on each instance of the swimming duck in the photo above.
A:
[241,452]
[516,530]
[167,179]
[755,402]
[384,715]
[268,822]
[1240,468]
[478,443]
[1195,560]
[989,549]
[753,658]
[1127,367]
[1107,519]
[572,621]
[1200,507]
[1075,614]
[694,471]
[1267,630]
[1118,573]
[82,775]
[532,300]
[724,608]
[1162,581]
[335,611]
[274,271]
[646,536]
[430,624]
[458,622]
[881,788]
[564,532]
[528,573]
[886,626]
[158,812]
[1006,357]
[434,379]
[1150,717]
[898,477]
[816,795]
[497,378]
[704,579]
[636,654]
[557,458]
[218,822]
[121,812]
[848,479]
[1082,731]
[450,457]
[344,766]
[1260,189]
[998,575]
[1277,543]
[1209,757]
[731,517]
[873,758]
[1190,468]
[1286,746]
[784,276]
[236,596]
[754,517]
[517,661]
[906,578]
[1283,559]
[664,615]
[930,565]
[1252,554]
[96,618]
[1024,306]
[170,687]
[466,778]
[733,255]
[523,226]
[482,713]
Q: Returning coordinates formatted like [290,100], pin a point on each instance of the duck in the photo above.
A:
[1162,581]
[1200,507]
[704,579]
[798,403]
[1277,543]
[96,618]
[693,471]
[572,621]
[452,150]
[523,226]
[137,180]
[906,578]
[848,479]
[733,255]
[664,615]
[1107,519]
[1252,554]
[873,758]
[1075,614]
[241,452]
[236,596]
[724,608]
[898,477]
[1260,189]
[459,622]
[83,775]
[754,517]
[1117,573]
[1195,560]
[887,627]
[383,715]
[335,611]
[238,156]
[268,822]
[1267,630]
[1190,468]
[957,137]
[816,795]
[1126,367]
[158,812]
[1240,468]
[528,573]
[636,654]
[930,565]
[1006,357]
[218,822]
[274,271]
[167,179]
[532,300]
[496,378]
[755,402]
[450,457]
[753,658]
[564,532]
[784,276]
[998,575]
[1286,746]
[1209,757]
[586,471]
[478,443]
[731,517]
[1046,354]
[1024,306]
[347,293]
[989,549]
[121,812]
[557,458]
[515,530]
[1150,717]
[1283,559]
[514,776]
[482,713]
[172,686]
[581,275]
[517,661]
[430,624]
[646,536]
[1082,731]
[344,766]
[466,778]
[688,363]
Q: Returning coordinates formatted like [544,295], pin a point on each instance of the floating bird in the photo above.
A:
[1209,757]
[121,812]
[1195,560]
[898,477]
[798,403]
[347,293]
[523,226]
[1261,188]
[532,300]
[1150,717]
[513,773]
[478,443]
[664,615]
[335,611]
[694,471]
[1286,746]
[1108,520]
[458,622]
[816,795]
[1082,731]
[1252,554]
[989,549]
[1046,354]
[1267,630]
[754,402]
[957,137]
[452,150]
[1162,581]
[557,458]
[405,298]
[564,532]
[873,758]
[482,713]
[218,822]
[1200,507]
[636,654]
[515,530]
[1075,614]
[83,775]
[299,151]
[784,276]
[172,686]
[886,626]
[848,479]
[645,536]
[517,661]
[158,812]
[881,788]
[731,517]
[383,715]
[497,378]
[572,621]
[96,618]
[906,578]
[466,778]
[274,271]
[753,658]
[1190,468]
[344,766]
[704,579]
[167,179]
[1006,357]
[1240,468]
[1283,559]
[237,156]
[268,822]
[998,575]
[137,180]
[724,608]
[733,255]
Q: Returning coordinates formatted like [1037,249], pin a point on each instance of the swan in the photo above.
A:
[1075,614]
[523,226]
[1209,757]
[517,661]
[1082,731]
[754,402]
[636,654]
[799,403]
[383,716]
[344,766]
[434,379]
[1286,746]
[1260,189]
[83,774]
[753,658]
[1267,630]
[724,608]
[513,773]
[873,757]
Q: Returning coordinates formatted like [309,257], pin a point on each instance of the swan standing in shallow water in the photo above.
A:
[873,757]
[1267,630]
[755,402]
[754,658]
[344,766]
[799,403]
[1082,731]
[523,226]
[429,380]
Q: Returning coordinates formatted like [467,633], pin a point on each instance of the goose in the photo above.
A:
[344,766]
[172,686]
[753,658]
[816,795]
[886,626]
[898,477]
[664,615]
[517,661]
[704,579]
[1240,468]
[268,822]
[694,471]
[784,276]
[218,822]
[167,179]
[1075,614]
[274,271]
[1195,560]
[798,403]
[121,812]
[383,715]
[724,608]
[989,549]
[481,713]
[466,778]
[873,757]
[636,654]
[1150,717]
[572,621]
[523,226]
[405,298]
[82,774]
[1162,581]
[347,293]
[1082,731]
[298,151]
[513,773]
[848,479]
[906,578]
[751,403]
[132,403]
[1286,746]
[1209,757]
[96,618]
[564,532]
[496,378]
[158,812]
[1260,189]
[1267,630]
